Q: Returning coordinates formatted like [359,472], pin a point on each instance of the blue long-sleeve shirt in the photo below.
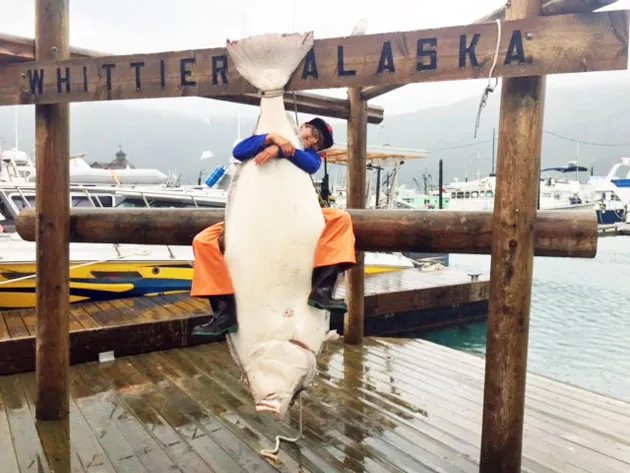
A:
[306,159]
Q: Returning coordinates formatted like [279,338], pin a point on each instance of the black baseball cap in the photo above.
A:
[325,129]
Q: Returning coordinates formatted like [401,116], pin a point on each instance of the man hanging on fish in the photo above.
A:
[335,249]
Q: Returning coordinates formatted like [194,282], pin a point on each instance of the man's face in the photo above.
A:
[311,137]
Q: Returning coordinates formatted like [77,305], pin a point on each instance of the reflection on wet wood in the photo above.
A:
[395,303]
[388,406]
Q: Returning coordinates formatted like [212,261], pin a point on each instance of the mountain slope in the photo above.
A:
[175,137]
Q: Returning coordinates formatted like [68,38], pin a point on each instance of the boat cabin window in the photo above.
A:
[18,200]
[97,201]
[157,203]
[7,214]
[75,201]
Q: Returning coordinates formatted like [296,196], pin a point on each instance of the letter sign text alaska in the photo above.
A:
[536,46]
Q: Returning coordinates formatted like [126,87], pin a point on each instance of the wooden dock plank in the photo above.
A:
[330,404]
[217,374]
[9,462]
[388,406]
[15,324]
[469,399]
[53,435]
[192,448]
[216,399]
[30,320]
[84,320]
[208,415]
[4,330]
[85,449]
[29,453]
[221,449]
[147,306]
[99,412]
[134,431]
[572,429]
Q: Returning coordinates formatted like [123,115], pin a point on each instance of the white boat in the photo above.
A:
[613,194]
[106,271]
[18,167]
[556,193]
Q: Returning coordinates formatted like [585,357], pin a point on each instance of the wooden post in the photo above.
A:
[518,162]
[357,153]
[53,227]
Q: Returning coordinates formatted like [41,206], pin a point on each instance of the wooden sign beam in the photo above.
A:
[18,49]
[548,8]
[532,46]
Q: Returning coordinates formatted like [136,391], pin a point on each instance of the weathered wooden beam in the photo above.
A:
[569,233]
[374,91]
[511,268]
[311,103]
[14,49]
[21,49]
[550,7]
[356,176]
[553,7]
[52,208]
[551,45]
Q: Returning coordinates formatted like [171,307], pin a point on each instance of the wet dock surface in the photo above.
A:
[396,302]
[388,406]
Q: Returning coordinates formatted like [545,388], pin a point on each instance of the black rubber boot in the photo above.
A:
[223,317]
[324,279]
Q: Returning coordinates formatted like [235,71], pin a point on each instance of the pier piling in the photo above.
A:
[52,206]
[513,241]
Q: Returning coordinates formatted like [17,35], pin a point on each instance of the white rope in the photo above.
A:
[24,278]
[489,88]
[273,454]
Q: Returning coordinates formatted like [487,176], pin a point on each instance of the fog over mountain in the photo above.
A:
[174,134]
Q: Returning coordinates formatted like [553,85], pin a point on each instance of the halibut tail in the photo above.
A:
[268,61]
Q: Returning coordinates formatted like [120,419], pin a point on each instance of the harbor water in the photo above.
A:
[579,319]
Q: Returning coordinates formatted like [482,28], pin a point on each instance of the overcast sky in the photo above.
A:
[134,26]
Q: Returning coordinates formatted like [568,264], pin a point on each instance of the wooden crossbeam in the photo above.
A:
[15,48]
[560,233]
[18,49]
[553,7]
[310,103]
[532,46]
[549,7]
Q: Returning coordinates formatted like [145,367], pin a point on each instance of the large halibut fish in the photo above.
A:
[273,222]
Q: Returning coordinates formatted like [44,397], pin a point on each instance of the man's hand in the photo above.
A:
[285,145]
[267,154]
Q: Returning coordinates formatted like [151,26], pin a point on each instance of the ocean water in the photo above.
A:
[579,319]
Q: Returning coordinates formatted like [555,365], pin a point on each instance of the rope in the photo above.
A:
[273,454]
[271,93]
[489,88]
[24,278]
